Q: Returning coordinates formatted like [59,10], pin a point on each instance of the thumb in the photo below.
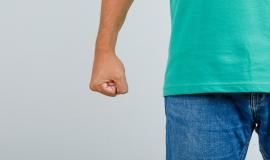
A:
[108,88]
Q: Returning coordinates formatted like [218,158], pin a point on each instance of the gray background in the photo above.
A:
[46,109]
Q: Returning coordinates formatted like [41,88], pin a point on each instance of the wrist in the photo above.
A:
[105,43]
[104,50]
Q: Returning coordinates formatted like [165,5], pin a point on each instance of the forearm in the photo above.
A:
[113,14]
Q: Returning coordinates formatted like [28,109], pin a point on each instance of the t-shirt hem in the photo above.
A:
[208,88]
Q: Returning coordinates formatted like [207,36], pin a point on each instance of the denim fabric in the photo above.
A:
[216,126]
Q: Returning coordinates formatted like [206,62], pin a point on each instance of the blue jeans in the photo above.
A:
[216,126]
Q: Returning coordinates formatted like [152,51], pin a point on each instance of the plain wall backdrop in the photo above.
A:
[46,109]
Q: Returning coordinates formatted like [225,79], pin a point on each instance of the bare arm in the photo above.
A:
[108,73]
[113,14]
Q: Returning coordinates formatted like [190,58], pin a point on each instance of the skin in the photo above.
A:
[108,72]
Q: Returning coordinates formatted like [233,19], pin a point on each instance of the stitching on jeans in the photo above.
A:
[250,104]
[253,104]
[254,101]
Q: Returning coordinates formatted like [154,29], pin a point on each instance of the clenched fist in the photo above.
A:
[108,75]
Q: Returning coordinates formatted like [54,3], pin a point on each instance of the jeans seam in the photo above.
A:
[242,155]
[263,153]
[265,156]
[253,104]
[165,104]
[261,99]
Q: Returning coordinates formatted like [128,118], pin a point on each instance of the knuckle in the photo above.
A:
[118,77]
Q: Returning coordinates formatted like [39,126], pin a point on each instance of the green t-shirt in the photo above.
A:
[218,46]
